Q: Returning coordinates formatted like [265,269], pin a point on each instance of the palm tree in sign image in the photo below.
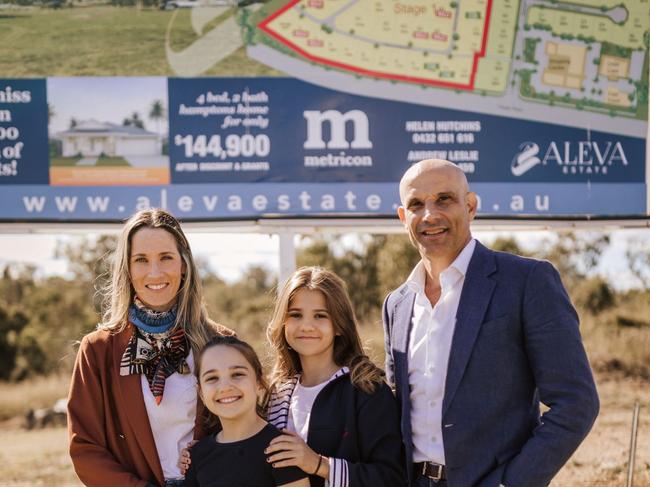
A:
[157,113]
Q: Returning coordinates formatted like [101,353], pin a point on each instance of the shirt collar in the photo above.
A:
[342,371]
[462,261]
[416,279]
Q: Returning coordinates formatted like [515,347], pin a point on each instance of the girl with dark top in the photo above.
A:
[132,405]
[338,417]
[232,387]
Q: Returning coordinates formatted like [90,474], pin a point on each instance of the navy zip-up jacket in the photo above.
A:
[359,431]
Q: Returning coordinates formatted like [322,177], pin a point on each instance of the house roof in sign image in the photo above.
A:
[93,127]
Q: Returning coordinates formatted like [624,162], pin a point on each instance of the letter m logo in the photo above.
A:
[337,121]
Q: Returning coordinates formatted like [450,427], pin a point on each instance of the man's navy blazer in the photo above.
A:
[516,343]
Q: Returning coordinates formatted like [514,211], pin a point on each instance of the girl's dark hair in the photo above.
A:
[210,421]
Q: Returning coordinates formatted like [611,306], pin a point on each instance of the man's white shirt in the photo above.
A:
[429,346]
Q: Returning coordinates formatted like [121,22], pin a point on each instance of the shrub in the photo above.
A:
[593,294]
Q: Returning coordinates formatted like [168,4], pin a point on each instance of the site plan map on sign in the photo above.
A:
[549,60]
[395,41]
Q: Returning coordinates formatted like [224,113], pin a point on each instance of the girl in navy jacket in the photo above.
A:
[338,416]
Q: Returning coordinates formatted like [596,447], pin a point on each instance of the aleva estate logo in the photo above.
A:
[572,157]
[356,120]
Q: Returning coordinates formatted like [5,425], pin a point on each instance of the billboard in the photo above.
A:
[323,108]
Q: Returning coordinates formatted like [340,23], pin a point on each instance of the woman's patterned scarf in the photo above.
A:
[156,349]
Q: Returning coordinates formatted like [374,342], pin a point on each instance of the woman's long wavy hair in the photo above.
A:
[348,350]
[119,294]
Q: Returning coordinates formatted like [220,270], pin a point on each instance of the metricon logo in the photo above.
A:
[337,121]
[525,159]
[338,140]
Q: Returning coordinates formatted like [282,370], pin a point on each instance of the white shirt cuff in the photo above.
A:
[338,473]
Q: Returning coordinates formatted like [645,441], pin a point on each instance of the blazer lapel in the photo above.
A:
[474,300]
[403,314]
[401,332]
[130,395]
[402,324]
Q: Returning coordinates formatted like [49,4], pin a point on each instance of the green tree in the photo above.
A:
[575,256]
[11,325]
[507,244]
[593,294]
[358,268]
[89,262]
[157,113]
[133,121]
[50,113]
[245,305]
[638,259]
[395,260]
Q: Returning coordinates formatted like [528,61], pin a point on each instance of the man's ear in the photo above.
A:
[401,213]
[472,204]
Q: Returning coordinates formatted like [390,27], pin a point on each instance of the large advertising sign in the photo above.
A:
[545,119]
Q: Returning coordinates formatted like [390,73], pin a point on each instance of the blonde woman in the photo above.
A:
[133,403]
[339,417]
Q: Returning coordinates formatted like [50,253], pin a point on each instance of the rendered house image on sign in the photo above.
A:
[92,138]
[96,153]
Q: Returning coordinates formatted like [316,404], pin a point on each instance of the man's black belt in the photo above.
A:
[433,471]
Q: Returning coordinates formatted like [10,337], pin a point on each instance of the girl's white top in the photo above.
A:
[302,401]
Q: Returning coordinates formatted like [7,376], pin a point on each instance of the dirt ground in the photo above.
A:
[40,458]
[602,459]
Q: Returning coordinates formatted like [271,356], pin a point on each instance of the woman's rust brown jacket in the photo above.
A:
[111,443]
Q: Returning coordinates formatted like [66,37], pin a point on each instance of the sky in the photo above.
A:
[229,255]
[104,100]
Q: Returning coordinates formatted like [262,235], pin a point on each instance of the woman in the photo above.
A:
[133,405]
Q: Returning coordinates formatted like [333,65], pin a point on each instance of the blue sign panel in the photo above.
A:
[285,130]
[23,132]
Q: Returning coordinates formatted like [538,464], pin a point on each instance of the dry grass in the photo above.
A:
[16,399]
[36,458]
[618,340]
[602,459]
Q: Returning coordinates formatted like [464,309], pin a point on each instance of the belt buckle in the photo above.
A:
[437,476]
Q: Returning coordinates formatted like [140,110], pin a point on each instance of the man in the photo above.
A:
[475,339]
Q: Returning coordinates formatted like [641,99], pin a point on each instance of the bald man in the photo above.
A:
[475,340]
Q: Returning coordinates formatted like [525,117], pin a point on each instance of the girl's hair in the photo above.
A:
[118,294]
[210,420]
[348,350]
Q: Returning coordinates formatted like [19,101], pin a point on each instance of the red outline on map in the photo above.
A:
[347,67]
